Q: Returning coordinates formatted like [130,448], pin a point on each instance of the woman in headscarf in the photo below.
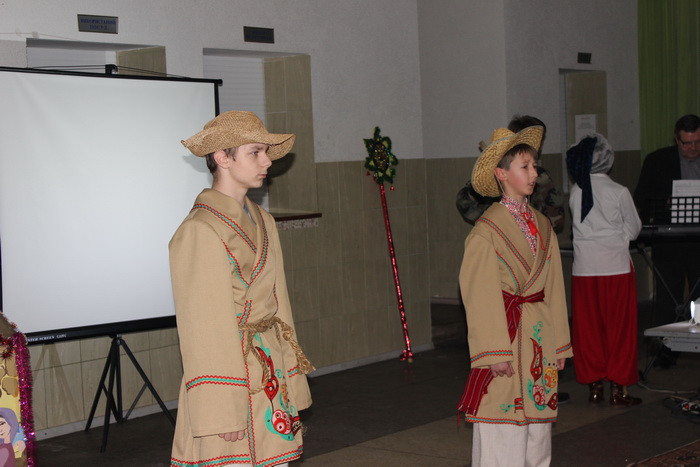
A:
[603,288]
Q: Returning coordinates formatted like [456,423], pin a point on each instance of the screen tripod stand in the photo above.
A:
[113,405]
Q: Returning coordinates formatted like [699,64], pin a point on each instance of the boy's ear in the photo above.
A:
[221,158]
[500,174]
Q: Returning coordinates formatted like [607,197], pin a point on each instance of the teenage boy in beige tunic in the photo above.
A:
[244,377]
[513,291]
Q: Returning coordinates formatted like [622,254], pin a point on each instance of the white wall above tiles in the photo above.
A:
[364,53]
[543,37]
[463,74]
[435,76]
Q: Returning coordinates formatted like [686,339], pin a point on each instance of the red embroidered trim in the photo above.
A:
[295,454]
[263,255]
[229,222]
[540,265]
[507,241]
[246,312]
[251,435]
[215,380]
[505,421]
[214,461]
[510,270]
[490,353]
[237,266]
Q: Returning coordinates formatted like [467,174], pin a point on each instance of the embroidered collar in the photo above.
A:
[513,206]
[525,220]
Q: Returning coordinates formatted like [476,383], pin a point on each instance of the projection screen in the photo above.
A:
[93,183]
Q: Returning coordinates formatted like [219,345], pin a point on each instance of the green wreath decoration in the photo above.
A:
[380,159]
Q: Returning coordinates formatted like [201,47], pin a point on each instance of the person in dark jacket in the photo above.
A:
[676,261]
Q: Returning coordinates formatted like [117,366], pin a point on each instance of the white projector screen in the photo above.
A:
[93,183]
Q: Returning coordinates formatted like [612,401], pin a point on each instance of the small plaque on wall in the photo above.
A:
[263,35]
[103,24]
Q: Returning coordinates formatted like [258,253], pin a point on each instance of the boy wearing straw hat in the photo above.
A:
[544,198]
[513,291]
[244,377]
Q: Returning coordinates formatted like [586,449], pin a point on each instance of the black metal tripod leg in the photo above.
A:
[657,275]
[114,406]
[99,390]
[650,364]
[136,400]
[148,382]
[109,406]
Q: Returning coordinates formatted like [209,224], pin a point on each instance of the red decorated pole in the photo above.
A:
[407,354]
[380,162]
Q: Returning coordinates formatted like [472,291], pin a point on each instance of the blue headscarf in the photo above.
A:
[591,155]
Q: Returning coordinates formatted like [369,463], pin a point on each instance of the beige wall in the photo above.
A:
[288,107]
[446,228]
[339,273]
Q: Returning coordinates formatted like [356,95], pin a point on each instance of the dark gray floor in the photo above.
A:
[369,402]
[634,435]
[349,407]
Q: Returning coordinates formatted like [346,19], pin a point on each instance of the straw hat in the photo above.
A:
[233,129]
[502,141]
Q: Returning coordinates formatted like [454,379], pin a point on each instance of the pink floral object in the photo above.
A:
[282,422]
[538,395]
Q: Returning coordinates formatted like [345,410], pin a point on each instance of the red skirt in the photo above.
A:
[605,328]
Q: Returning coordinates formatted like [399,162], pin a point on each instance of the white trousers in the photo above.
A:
[503,445]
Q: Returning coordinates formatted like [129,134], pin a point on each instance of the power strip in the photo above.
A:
[687,406]
[691,407]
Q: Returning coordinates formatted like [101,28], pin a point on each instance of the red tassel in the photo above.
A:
[533,227]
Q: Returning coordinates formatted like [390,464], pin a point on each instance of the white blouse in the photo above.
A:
[601,242]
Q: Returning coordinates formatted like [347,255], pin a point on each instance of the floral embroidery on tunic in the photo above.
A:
[544,380]
[283,421]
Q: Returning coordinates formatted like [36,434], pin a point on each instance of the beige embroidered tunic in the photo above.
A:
[237,339]
[498,258]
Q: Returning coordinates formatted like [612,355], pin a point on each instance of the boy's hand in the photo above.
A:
[561,363]
[233,436]
[502,369]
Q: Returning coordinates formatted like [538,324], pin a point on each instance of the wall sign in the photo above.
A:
[103,24]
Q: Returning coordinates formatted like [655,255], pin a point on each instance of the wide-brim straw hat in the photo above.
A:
[502,141]
[233,129]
